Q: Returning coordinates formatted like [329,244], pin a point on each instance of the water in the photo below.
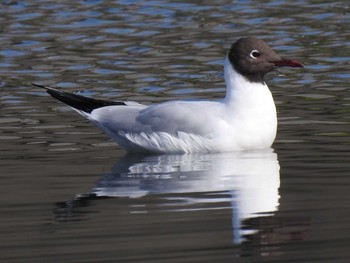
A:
[68,194]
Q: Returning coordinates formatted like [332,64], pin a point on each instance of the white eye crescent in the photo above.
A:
[254,54]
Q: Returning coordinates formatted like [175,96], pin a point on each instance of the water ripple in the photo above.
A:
[153,51]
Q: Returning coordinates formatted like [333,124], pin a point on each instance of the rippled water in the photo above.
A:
[68,194]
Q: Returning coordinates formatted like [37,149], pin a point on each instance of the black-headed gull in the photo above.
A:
[245,119]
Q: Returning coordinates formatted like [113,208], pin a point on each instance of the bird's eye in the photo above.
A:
[254,54]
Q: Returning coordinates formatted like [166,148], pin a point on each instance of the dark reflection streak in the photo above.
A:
[71,210]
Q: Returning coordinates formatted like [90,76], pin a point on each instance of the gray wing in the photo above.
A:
[171,117]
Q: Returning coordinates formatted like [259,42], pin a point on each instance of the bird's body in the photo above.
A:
[245,119]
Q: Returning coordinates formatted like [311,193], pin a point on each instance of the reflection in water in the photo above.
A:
[247,181]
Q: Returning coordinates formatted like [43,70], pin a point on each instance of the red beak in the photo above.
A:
[285,62]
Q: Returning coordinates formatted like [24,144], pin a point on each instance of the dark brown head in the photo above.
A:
[253,58]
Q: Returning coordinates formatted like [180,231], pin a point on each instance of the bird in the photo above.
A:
[244,119]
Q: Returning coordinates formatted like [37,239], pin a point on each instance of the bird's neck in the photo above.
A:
[250,107]
[239,88]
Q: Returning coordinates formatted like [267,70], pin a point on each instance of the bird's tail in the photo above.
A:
[78,102]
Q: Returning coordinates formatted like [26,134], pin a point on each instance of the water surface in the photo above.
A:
[70,194]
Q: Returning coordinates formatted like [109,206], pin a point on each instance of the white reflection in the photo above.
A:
[251,179]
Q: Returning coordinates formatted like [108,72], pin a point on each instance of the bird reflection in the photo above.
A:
[248,183]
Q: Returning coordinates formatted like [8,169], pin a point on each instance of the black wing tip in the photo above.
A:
[78,102]
[41,86]
[45,88]
[38,85]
